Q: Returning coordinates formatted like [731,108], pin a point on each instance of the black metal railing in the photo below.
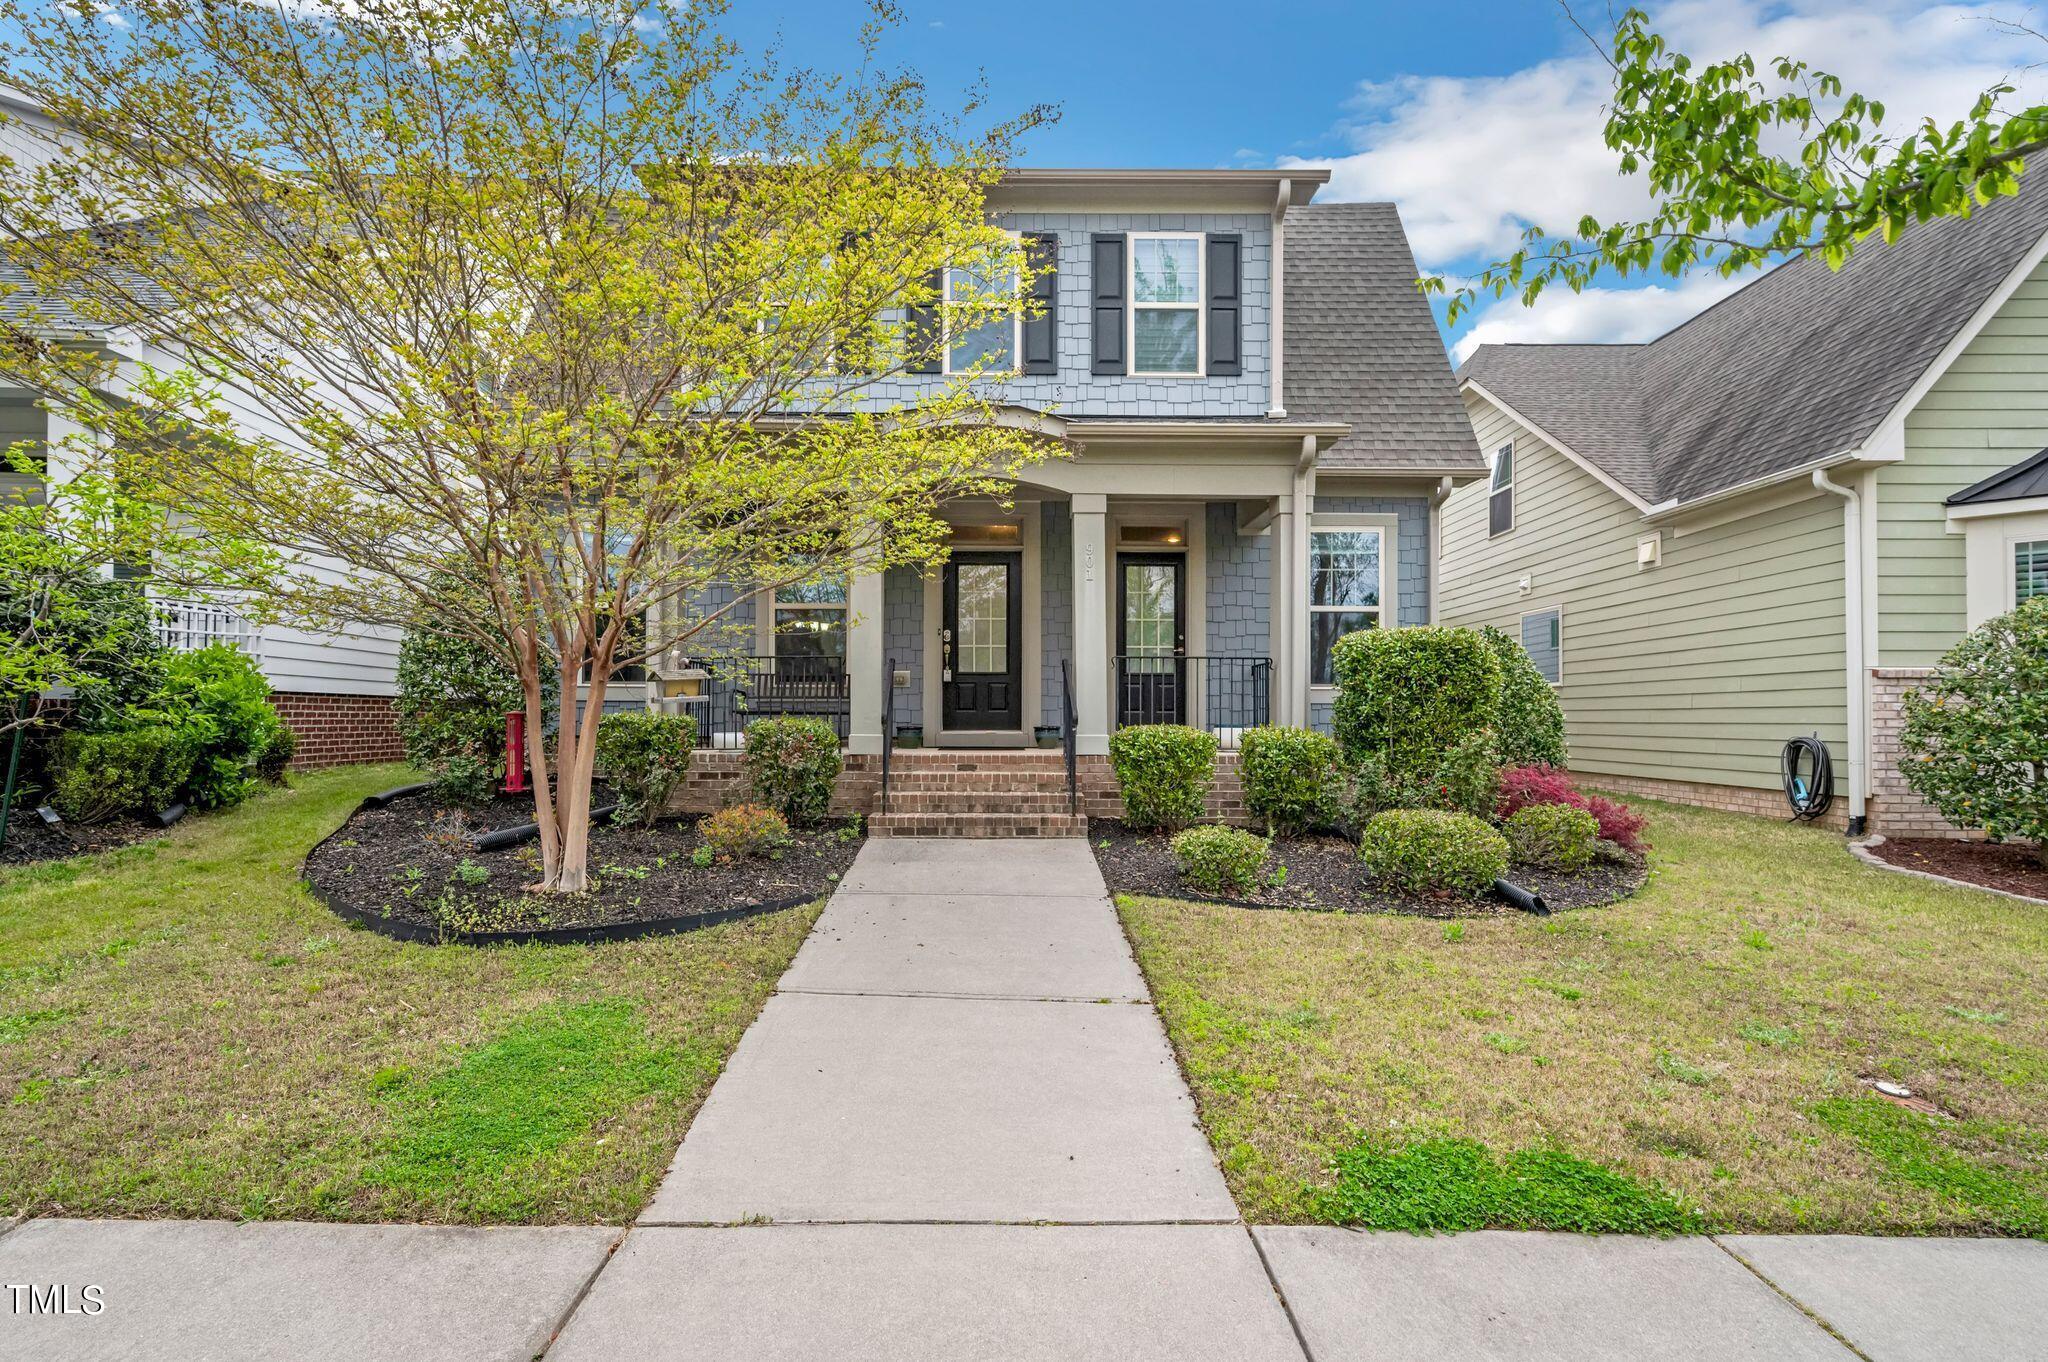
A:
[888,723]
[1070,720]
[743,689]
[1212,693]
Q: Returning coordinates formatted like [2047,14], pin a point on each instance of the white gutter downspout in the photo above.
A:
[1436,530]
[1852,605]
[1276,404]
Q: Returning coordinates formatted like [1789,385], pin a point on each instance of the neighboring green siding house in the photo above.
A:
[1772,520]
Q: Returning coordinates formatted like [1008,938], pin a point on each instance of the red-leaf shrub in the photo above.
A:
[1521,786]
[1618,822]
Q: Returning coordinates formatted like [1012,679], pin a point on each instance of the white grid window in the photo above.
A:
[995,342]
[1346,591]
[2029,570]
[984,610]
[1166,304]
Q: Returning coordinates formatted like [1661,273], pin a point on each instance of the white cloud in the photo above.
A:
[1598,314]
[1473,160]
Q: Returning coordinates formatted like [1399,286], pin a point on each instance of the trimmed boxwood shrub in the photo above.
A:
[1976,734]
[644,755]
[1432,851]
[1464,780]
[1164,771]
[744,830]
[1528,723]
[1289,777]
[139,769]
[1408,696]
[1553,836]
[792,765]
[220,699]
[1221,860]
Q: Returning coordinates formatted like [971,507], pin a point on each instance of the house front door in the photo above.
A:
[980,642]
[1151,640]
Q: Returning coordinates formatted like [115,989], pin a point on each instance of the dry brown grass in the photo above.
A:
[1687,1037]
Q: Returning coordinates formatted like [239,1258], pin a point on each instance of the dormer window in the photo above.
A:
[1166,303]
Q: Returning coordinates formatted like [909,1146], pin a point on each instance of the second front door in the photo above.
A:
[979,643]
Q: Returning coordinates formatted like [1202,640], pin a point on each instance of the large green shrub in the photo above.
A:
[1221,860]
[1553,836]
[1429,850]
[101,627]
[792,765]
[1976,734]
[97,775]
[742,830]
[1164,771]
[644,755]
[1464,779]
[1407,696]
[1289,777]
[1528,723]
[453,695]
[218,697]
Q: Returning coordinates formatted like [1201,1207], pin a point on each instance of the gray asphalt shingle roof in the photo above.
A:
[1802,364]
[1362,346]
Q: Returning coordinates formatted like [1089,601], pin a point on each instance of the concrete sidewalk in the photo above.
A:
[957,1132]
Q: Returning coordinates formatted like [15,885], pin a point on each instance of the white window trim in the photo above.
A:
[767,636]
[1200,307]
[1016,323]
[1492,466]
[1389,527]
[1557,610]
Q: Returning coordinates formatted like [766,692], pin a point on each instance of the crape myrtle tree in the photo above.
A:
[1748,163]
[569,300]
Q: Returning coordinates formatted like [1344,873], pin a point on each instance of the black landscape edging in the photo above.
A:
[399,930]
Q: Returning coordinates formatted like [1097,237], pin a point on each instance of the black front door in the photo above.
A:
[980,647]
[1151,640]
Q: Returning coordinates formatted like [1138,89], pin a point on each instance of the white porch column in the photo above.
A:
[864,663]
[1297,601]
[1092,567]
[1282,611]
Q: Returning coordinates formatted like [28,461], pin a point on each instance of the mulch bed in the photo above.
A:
[29,839]
[402,865]
[1994,865]
[1325,873]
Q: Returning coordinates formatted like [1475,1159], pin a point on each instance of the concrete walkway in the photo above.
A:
[957,1132]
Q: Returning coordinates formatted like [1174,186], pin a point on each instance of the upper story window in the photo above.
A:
[992,344]
[1166,303]
[1500,501]
[2029,570]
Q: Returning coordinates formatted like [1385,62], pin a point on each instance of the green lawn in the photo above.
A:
[185,1032]
[1689,1059]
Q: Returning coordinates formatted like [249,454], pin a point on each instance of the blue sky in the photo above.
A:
[1477,118]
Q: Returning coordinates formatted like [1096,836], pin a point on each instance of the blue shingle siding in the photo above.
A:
[731,633]
[1056,604]
[1074,391]
[903,638]
[1322,716]
[1239,587]
[1412,548]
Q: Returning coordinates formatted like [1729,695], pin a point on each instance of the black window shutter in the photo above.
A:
[926,339]
[846,350]
[1107,290]
[1226,304]
[1041,328]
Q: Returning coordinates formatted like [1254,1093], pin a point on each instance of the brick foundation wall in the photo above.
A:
[339,730]
[1726,798]
[1102,798]
[1895,810]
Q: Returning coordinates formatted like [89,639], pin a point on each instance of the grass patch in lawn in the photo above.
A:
[1444,1185]
[185,1032]
[513,1112]
[1997,1174]
[1687,1039]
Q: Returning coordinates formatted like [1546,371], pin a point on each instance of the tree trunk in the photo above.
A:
[575,767]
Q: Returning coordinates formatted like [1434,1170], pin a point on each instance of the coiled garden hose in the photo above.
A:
[1810,793]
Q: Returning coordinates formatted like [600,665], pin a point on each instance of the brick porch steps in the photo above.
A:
[941,793]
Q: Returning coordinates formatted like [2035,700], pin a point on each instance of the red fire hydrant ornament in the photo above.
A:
[515,753]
